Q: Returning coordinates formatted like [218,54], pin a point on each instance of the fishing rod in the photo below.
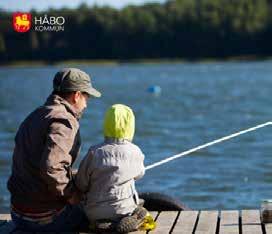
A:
[225,138]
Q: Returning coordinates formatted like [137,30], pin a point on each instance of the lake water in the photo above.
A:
[199,102]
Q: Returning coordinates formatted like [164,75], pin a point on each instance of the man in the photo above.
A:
[46,145]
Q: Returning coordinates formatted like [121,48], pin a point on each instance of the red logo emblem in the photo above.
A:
[21,22]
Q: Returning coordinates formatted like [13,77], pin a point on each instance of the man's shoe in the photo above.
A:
[103,226]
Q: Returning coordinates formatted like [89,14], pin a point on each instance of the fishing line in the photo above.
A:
[206,145]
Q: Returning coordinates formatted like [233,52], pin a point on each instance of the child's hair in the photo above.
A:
[119,122]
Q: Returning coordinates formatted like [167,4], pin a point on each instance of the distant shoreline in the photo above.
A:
[110,62]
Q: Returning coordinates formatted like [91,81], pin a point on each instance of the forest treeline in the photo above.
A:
[187,29]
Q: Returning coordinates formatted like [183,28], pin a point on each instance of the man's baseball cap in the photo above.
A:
[73,79]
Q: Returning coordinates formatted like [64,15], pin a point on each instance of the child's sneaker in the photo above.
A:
[132,222]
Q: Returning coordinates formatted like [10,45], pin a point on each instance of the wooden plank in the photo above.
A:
[229,223]
[251,223]
[186,222]
[154,214]
[207,222]
[5,217]
[165,222]
[268,228]
[3,222]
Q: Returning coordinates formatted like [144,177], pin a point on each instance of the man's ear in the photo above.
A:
[77,96]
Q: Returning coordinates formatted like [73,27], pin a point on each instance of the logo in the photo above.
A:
[21,22]
[49,23]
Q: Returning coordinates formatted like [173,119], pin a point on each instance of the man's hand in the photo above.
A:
[76,198]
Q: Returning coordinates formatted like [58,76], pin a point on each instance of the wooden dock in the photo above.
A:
[187,222]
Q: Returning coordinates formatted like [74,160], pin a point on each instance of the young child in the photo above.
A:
[108,172]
